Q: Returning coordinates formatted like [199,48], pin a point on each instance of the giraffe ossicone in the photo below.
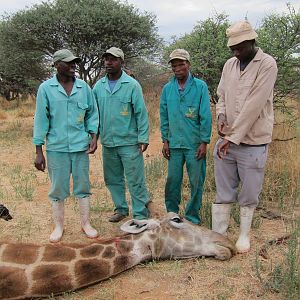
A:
[34,271]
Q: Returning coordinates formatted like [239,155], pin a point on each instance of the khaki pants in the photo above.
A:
[243,165]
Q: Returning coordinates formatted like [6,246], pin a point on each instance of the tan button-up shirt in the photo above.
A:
[246,99]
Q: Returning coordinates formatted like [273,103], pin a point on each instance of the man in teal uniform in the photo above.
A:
[124,135]
[185,118]
[67,117]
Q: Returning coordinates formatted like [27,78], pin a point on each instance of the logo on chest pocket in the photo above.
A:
[124,111]
[191,113]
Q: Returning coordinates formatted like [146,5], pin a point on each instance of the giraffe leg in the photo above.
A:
[84,206]
[58,210]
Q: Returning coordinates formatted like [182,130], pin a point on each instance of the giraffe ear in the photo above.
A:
[137,226]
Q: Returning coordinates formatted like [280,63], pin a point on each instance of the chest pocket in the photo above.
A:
[80,112]
[125,107]
[190,112]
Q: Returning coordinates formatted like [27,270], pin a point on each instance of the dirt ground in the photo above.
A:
[203,278]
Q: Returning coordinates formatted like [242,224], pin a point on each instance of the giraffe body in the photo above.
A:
[31,271]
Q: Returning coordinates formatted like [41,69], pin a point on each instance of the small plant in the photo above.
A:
[23,183]
[284,277]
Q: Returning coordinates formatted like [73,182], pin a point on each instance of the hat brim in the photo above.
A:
[177,57]
[71,58]
[109,53]
[235,40]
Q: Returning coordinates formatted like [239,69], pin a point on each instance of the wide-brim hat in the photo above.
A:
[240,32]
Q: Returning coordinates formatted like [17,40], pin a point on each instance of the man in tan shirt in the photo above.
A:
[245,124]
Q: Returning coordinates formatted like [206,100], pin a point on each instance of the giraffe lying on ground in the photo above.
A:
[30,271]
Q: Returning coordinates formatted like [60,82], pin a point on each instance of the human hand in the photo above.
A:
[143,147]
[201,151]
[92,145]
[223,148]
[222,125]
[166,150]
[40,162]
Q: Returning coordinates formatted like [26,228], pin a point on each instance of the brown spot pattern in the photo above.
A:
[13,282]
[124,247]
[109,252]
[50,279]
[20,253]
[121,263]
[58,253]
[90,271]
[91,251]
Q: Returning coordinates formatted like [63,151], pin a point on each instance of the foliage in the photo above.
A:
[279,36]
[87,27]
[207,47]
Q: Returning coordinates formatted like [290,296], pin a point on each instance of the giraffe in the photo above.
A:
[31,271]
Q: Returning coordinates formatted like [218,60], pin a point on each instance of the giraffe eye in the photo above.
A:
[176,220]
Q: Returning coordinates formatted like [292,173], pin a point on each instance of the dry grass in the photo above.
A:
[24,191]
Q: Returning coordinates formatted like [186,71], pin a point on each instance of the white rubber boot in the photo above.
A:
[246,215]
[220,214]
[58,211]
[84,207]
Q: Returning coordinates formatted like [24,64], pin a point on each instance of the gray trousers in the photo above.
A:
[244,165]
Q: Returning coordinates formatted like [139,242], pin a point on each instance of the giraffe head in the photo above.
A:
[175,237]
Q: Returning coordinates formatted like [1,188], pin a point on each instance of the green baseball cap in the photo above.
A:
[114,51]
[64,55]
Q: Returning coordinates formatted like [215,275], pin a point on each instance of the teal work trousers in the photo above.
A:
[118,163]
[196,170]
[60,167]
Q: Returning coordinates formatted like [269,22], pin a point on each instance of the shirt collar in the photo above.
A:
[185,84]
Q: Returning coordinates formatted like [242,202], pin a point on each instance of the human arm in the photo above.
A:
[41,118]
[205,117]
[164,119]
[91,117]
[140,114]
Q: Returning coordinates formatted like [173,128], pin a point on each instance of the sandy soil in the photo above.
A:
[185,279]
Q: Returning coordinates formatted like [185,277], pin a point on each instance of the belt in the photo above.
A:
[247,145]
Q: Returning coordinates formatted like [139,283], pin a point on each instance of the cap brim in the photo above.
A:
[232,41]
[109,53]
[71,58]
[177,57]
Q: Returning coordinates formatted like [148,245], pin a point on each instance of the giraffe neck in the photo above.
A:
[28,270]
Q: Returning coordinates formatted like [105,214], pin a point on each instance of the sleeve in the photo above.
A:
[205,116]
[163,111]
[260,93]
[220,106]
[140,113]
[92,116]
[41,118]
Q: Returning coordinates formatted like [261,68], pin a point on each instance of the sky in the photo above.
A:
[177,17]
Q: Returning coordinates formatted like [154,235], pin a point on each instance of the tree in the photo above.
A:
[207,47]
[279,36]
[87,27]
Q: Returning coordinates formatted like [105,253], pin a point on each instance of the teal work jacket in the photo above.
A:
[185,118]
[123,114]
[65,121]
